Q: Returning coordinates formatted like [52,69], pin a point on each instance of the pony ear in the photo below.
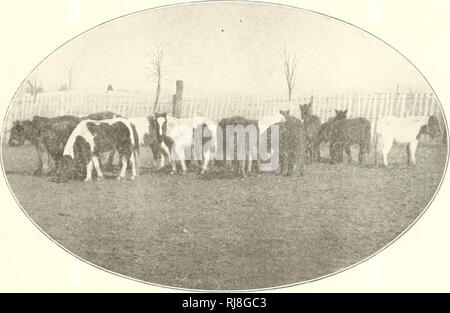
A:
[345,112]
[336,111]
[288,112]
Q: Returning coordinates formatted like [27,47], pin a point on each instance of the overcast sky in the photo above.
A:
[230,49]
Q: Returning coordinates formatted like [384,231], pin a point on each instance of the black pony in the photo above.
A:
[326,131]
[345,132]
[312,126]
[292,145]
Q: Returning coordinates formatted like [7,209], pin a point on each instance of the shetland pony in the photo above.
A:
[292,146]
[90,138]
[347,132]
[266,137]
[146,130]
[183,135]
[326,131]
[392,129]
[239,143]
[48,136]
[312,126]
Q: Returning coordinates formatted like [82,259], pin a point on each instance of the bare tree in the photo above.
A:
[157,69]
[70,72]
[289,59]
[33,87]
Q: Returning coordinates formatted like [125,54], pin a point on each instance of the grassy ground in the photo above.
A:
[226,233]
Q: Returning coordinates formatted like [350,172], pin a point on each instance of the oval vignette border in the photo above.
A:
[167,6]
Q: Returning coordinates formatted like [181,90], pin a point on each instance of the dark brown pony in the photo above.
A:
[312,126]
[292,146]
[326,130]
[347,132]
[228,140]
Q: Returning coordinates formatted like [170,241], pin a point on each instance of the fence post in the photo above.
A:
[177,99]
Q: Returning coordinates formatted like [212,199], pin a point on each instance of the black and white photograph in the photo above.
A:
[224,145]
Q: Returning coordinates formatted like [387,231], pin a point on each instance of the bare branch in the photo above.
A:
[289,61]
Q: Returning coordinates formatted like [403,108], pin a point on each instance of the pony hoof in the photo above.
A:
[132,177]
[118,178]
[37,173]
[100,178]
[87,180]
[184,173]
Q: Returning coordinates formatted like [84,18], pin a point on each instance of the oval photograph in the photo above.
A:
[224,146]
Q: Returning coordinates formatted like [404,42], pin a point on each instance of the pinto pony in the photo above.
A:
[90,138]
[312,126]
[182,135]
[146,130]
[48,136]
[392,129]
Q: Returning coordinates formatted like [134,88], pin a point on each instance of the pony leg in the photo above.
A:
[109,164]
[361,154]
[242,168]
[89,171]
[97,168]
[291,162]
[386,147]
[133,162]
[182,156]
[258,165]
[348,151]
[137,157]
[412,146]
[282,163]
[249,165]
[123,170]
[207,157]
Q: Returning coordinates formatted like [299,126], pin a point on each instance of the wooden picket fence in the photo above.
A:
[371,106]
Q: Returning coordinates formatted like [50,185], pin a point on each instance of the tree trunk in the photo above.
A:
[158,92]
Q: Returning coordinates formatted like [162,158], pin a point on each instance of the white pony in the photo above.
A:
[392,129]
[180,135]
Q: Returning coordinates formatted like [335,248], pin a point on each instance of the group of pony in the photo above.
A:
[71,147]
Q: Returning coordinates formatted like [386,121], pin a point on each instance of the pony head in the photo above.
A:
[306,109]
[17,137]
[341,115]
[431,128]
[285,113]
[160,124]
[325,131]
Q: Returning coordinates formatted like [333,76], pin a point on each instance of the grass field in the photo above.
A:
[226,233]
